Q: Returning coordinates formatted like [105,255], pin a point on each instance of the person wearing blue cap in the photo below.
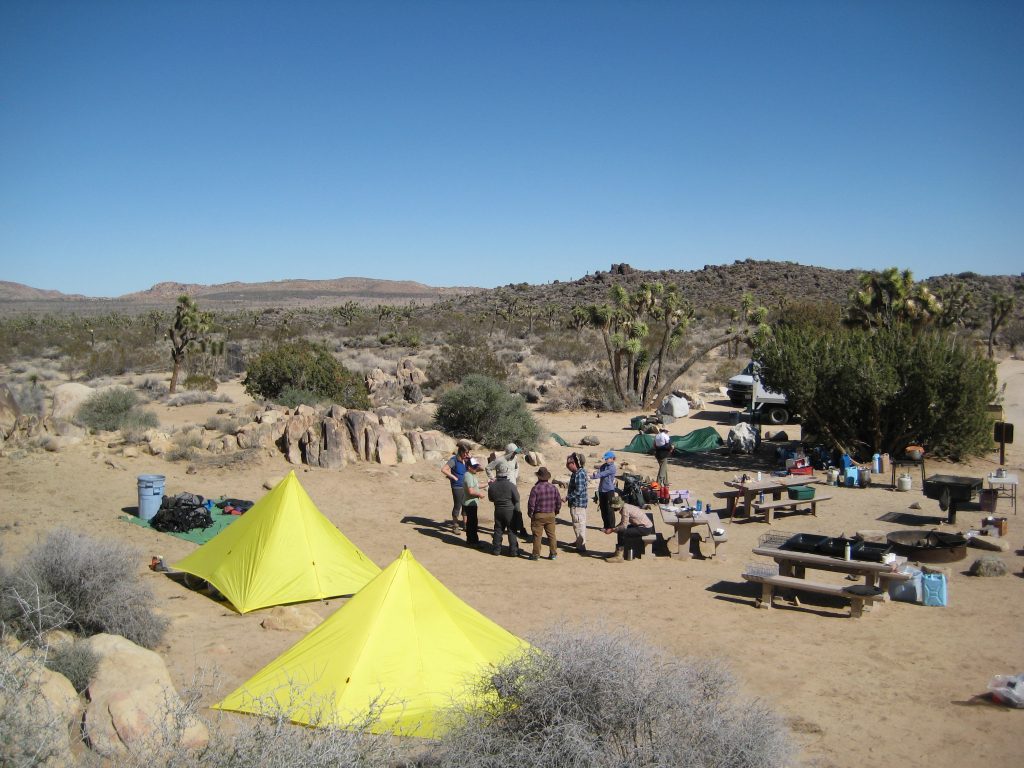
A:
[606,489]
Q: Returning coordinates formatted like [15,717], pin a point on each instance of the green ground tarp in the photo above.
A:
[705,439]
[196,535]
[559,439]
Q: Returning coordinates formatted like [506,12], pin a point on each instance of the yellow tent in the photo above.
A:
[404,644]
[283,550]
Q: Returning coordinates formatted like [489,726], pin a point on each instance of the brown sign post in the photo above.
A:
[1003,434]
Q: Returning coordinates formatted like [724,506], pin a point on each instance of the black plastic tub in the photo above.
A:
[869,551]
[804,542]
[836,546]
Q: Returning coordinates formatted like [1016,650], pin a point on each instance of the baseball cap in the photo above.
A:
[511,448]
[474,464]
[501,469]
[608,455]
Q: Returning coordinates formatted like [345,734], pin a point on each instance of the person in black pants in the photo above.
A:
[505,497]
[469,506]
[606,490]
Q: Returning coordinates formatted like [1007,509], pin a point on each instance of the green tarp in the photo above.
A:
[699,440]
[196,535]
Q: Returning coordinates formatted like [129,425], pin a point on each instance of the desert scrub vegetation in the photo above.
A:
[195,397]
[482,409]
[303,365]
[79,583]
[186,445]
[595,697]
[76,661]
[110,409]
[457,359]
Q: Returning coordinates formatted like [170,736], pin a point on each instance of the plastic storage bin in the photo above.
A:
[800,492]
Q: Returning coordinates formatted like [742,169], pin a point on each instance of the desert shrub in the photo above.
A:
[136,423]
[304,365]
[30,398]
[196,397]
[292,397]
[111,408]
[482,409]
[94,585]
[187,444]
[561,398]
[416,418]
[76,661]
[456,360]
[31,730]
[228,423]
[596,390]
[200,382]
[154,388]
[593,697]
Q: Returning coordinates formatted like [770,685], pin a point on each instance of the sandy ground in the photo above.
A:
[896,687]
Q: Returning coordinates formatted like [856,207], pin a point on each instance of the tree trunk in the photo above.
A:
[670,380]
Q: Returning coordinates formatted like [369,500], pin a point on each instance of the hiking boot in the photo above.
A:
[581,549]
[513,553]
[496,550]
[615,557]
[534,557]
[552,557]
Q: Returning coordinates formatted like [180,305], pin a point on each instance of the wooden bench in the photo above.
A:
[768,506]
[640,544]
[856,594]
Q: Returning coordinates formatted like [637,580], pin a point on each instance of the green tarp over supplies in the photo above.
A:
[698,441]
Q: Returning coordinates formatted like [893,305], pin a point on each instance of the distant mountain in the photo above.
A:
[712,286]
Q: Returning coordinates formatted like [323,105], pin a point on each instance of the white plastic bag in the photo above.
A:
[1008,689]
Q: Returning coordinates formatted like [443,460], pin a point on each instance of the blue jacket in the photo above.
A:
[606,474]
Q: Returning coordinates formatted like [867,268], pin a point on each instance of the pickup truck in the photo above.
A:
[745,388]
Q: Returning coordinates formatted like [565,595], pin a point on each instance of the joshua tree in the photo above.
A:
[999,310]
[189,325]
[890,297]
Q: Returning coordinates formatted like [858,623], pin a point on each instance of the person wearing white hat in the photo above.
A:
[510,457]
[662,450]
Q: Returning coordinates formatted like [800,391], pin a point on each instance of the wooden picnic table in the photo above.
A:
[770,485]
[684,526]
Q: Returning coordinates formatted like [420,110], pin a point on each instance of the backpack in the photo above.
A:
[181,513]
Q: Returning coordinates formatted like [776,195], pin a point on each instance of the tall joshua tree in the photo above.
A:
[189,325]
[999,309]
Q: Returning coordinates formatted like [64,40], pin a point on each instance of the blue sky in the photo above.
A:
[482,143]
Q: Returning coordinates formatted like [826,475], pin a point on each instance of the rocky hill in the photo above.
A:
[713,286]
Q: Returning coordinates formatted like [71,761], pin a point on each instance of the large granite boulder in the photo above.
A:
[67,399]
[133,703]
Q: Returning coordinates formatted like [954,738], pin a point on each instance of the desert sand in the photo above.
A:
[897,687]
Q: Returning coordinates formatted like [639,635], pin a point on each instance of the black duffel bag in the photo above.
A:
[180,513]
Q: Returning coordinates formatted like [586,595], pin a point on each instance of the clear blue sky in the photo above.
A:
[482,143]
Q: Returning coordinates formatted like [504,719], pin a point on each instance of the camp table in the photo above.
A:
[773,485]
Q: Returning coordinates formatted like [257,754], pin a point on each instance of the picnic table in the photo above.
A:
[684,524]
[773,486]
[792,570]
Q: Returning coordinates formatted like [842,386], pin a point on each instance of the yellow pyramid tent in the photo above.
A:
[404,644]
[283,550]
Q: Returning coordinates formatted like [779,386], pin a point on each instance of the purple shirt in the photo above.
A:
[544,499]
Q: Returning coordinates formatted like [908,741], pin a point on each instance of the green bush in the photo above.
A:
[482,409]
[200,382]
[113,409]
[292,397]
[303,365]
[454,361]
[87,585]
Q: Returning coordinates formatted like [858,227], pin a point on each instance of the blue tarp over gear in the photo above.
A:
[698,441]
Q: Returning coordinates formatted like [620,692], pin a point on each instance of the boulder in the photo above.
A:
[408,373]
[131,701]
[436,445]
[388,420]
[590,440]
[363,428]
[336,412]
[57,443]
[335,444]
[387,449]
[412,393]
[382,387]
[742,439]
[675,406]
[533,458]
[300,618]
[159,443]
[45,706]
[260,434]
[67,398]
[310,445]
[406,455]
[295,429]
[9,411]
[988,565]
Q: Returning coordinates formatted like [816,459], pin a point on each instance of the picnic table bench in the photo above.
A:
[767,507]
[857,594]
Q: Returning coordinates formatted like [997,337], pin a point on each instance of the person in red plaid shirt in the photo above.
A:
[544,504]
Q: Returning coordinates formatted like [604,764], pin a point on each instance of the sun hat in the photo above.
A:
[501,468]
[543,473]
[608,455]
[474,464]
[512,449]
[615,502]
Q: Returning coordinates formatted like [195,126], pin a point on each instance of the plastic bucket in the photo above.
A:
[151,493]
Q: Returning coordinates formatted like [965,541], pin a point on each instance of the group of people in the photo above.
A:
[543,505]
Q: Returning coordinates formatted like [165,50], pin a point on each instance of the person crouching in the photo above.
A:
[633,524]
